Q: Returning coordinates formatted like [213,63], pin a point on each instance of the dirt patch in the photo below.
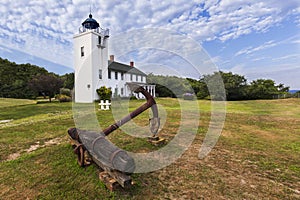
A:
[13,156]
[5,121]
[34,147]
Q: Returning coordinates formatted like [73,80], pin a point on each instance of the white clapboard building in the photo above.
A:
[94,69]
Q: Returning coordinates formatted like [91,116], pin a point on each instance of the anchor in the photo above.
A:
[115,164]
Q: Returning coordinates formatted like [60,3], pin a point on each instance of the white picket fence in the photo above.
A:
[104,105]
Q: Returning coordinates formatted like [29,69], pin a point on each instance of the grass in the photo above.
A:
[8,102]
[256,157]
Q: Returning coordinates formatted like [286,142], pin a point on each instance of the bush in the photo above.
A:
[104,93]
[63,98]
[65,91]
[133,97]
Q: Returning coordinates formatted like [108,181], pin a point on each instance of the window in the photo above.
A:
[116,75]
[131,77]
[136,78]
[100,73]
[82,51]
[142,78]
[116,92]
[99,40]
[122,76]
[122,91]
[109,74]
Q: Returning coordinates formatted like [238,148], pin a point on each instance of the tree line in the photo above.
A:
[28,81]
[236,87]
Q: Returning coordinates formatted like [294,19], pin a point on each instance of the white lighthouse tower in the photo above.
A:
[90,60]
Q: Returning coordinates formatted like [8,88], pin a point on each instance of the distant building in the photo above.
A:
[93,69]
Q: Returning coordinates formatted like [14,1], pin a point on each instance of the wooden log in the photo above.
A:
[123,179]
[73,142]
[87,159]
[109,182]
[157,141]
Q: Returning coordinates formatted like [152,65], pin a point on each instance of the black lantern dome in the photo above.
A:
[90,23]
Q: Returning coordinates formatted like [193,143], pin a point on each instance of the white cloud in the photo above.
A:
[250,50]
[238,69]
[269,44]
[288,57]
[45,28]
[297,41]
[4,49]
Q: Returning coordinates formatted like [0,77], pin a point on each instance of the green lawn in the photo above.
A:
[7,102]
[257,155]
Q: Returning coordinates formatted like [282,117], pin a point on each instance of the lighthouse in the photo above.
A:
[93,69]
[90,60]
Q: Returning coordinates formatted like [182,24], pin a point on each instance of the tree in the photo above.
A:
[68,80]
[14,79]
[199,87]
[235,86]
[265,89]
[282,88]
[48,85]
[215,86]
[297,94]
[169,86]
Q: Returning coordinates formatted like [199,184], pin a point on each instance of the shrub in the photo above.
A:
[104,93]
[63,98]
[133,97]
[65,91]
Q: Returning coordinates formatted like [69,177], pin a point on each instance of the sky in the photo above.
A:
[257,39]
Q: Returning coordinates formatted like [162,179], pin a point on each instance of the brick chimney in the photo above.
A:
[131,64]
[112,58]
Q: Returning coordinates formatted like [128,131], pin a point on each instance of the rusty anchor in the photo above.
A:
[91,146]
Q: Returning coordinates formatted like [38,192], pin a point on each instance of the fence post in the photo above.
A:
[107,105]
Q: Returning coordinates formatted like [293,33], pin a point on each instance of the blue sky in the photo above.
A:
[257,39]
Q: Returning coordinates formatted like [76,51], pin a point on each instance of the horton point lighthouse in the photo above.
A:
[93,69]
